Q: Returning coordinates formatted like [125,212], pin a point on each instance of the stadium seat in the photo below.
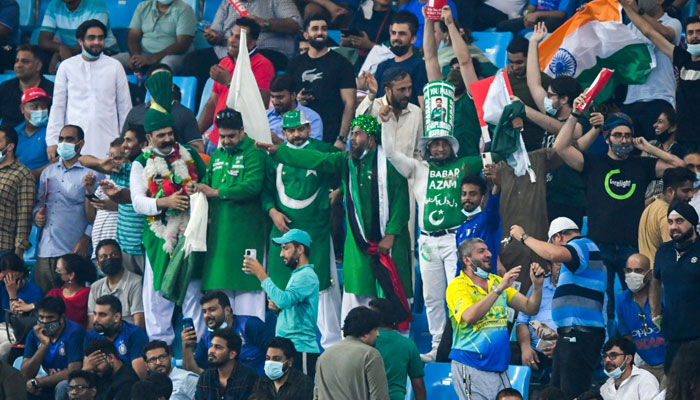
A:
[206,93]
[6,77]
[209,11]
[334,35]
[188,90]
[520,379]
[494,45]
[30,254]
[438,381]
[52,78]
[121,12]
[26,12]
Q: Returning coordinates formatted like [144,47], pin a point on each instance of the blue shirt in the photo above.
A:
[414,7]
[29,293]
[487,226]
[9,17]
[253,332]
[415,67]
[63,23]
[648,341]
[67,349]
[580,294]
[544,315]
[275,120]
[61,190]
[552,5]
[31,150]
[129,342]
[298,305]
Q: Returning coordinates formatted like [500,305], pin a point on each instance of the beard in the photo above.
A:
[318,44]
[94,51]
[215,363]
[400,50]
[684,240]
[292,263]
[399,103]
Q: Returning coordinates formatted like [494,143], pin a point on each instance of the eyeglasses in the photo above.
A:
[60,272]
[612,356]
[161,358]
[618,135]
[78,388]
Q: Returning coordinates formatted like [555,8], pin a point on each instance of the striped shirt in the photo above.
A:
[580,294]
[130,223]
[105,224]
[63,22]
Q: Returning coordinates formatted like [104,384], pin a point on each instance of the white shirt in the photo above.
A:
[661,83]
[139,200]
[640,385]
[184,384]
[410,125]
[93,95]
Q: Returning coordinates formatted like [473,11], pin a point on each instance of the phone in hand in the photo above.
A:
[350,32]
[307,91]
[92,197]
[187,323]
[486,158]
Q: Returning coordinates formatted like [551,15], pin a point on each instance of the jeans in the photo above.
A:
[615,257]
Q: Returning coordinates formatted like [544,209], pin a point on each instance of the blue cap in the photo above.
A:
[294,235]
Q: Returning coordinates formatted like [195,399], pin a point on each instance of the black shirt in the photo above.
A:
[324,77]
[185,128]
[415,66]
[615,196]
[687,96]
[681,280]
[372,26]
[297,387]
[11,100]
[117,386]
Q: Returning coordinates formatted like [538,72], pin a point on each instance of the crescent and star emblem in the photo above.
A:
[288,201]
[438,221]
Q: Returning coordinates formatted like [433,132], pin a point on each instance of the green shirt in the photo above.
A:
[401,359]
[467,130]
[161,31]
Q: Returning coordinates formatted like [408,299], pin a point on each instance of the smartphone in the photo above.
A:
[187,323]
[350,32]
[307,91]
[535,324]
[252,253]
[92,197]
[541,343]
[486,158]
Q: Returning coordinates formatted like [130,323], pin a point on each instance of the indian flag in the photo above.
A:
[596,38]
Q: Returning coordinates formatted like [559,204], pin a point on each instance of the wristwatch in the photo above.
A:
[34,384]
[523,237]
[495,288]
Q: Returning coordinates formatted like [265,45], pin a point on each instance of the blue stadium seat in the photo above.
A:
[494,45]
[335,35]
[26,12]
[209,11]
[30,254]
[121,12]
[52,78]
[188,90]
[132,79]
[6,77]
[206,93]
[438,381]
[520,379]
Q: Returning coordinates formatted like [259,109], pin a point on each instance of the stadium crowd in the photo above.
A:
[150,253]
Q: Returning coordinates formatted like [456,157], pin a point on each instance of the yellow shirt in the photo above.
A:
[653,228]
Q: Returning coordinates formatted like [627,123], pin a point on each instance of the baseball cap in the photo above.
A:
[33,94]
[294,235]
[561,224]
[294,118]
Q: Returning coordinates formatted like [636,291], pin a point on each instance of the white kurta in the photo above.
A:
[93,95]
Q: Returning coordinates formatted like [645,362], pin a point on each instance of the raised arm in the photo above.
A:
[405,165]
[665,160]
[644,26]
[432,66]
[563,142]
[460,47]
[534,80]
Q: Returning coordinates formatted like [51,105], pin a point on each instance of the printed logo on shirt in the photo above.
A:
[620,184]
[62,349]
[311,75]
[122,348]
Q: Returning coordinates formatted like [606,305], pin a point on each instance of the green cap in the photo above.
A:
[294,118]
[294,235]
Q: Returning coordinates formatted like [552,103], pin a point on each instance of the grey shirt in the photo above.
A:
[128,291]
[226,17]
[186,128]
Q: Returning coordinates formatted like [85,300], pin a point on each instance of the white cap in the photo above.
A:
[561,224]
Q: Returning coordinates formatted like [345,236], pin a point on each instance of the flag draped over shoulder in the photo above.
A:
[594,38]
[490,96]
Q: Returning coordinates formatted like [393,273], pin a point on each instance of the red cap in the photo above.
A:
[33,94]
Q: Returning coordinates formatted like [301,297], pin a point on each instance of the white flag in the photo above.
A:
[244,96]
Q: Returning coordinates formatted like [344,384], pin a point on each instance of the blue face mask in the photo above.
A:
[39,118]
[478,271]
[549,107]
[617,372]
[696,184]
[223,325]
[66,150]
[694,49]
[274,369]
[89,55]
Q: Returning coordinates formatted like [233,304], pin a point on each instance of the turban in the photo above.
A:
[685,210]
[160,86]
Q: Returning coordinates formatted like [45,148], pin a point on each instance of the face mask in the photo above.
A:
[274,369]
[50,328]
[66,150]
[400,50]
[3,154]
[301,146]
[622,149]
[160,153]
[635,282]
[223,325]
[39,118]
[617,372]
[111,266]
[89,55]
[442,45]
[694,49]
[663,137]
[696,184]
[549,108]
[478,271]
[471,213]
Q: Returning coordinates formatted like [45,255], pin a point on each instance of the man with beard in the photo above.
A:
[128,339]
[90,91]
[118,281]
[157,181]
[675,271]
[223,360]
[115,377]
[296,198]
[283,96]
[484,224]
[377,248]
[625,380]
[403,29]
[325,81]
[159,360]
[232,184]
[297,304]
[28,75]
[477,301]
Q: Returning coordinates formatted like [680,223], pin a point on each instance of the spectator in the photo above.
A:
[119,282]
[17,294]
[28,75]
[283,96]
[224,367]
[485,224]
[353,369]
[13,385]
[577,305]
[159,32]
[683,378]
[57,36]
[31,133]
[645,101]
[372,26]
[216,310]
[665,139]
[115,378]
[673,272]
[59,210]
[55,344]
[691,158]
[185,127]
[127,338]
[611,181]
[82,385]
[625,380]
[158,360]
[303,45]
[9,31]
[415,7]
[16,196]
[400,354]
[480,350]
[509,394]
[653,229]
[222,73]
[325,81]
[281,380]
[404,29]
[634,316]
[74,273]
[156,386]
[551,14]
[297,304]
[91,92]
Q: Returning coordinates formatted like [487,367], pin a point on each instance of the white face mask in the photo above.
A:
[635,282]
[694,49]
[471,213]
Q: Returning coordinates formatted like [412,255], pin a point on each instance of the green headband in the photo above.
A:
[368,124]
